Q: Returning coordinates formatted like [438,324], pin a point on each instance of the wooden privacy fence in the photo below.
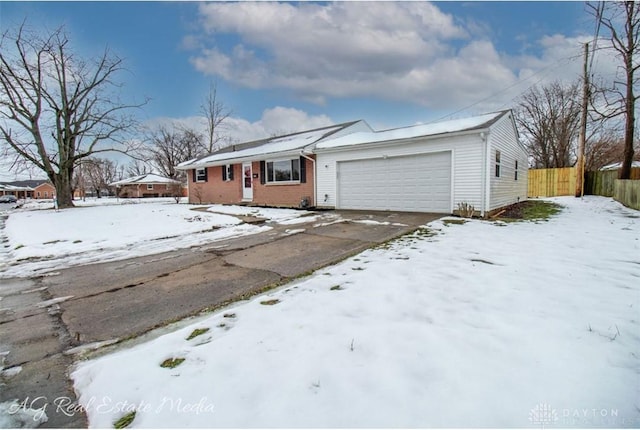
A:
[562,182]
[627,192]
[552,182]
[602,182]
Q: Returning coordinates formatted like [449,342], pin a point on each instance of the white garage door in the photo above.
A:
[420,183]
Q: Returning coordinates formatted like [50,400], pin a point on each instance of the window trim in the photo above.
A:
[498,163]
[516,171]
[149,187]
[269,181]
[227,172]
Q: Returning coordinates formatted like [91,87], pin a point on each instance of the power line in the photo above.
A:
[599,12]
[548,68]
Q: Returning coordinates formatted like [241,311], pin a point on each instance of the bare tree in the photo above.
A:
[622,20]
[57,108]
[549,118]
[99,173]
[170,147]
[215,113]
[137,168]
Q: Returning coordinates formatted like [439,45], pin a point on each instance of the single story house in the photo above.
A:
[148,185]
[21,192]
[45,190]
[424,168]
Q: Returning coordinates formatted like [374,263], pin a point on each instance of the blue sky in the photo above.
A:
[289,66]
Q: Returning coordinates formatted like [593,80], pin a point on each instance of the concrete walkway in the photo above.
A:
[42,320]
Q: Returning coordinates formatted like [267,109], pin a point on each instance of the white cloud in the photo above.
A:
[274,121]
[337,50]
[404,51]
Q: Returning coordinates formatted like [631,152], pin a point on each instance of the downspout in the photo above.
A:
[313,163]
[188,172]
[487,174]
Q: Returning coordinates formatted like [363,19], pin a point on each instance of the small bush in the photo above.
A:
[466,210]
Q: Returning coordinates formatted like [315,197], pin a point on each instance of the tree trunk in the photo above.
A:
[630,102]
[629,129]
[62,183]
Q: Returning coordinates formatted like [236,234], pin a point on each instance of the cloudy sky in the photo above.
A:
[292,66]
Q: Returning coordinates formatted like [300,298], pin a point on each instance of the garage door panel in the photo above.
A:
[416,183]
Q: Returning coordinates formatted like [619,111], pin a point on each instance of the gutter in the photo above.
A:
[254,157]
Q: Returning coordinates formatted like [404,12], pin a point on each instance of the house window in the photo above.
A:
[149,187]
[515,176]
[46,194]
[283,171]
[201,175]
[38,194]
[498,164]
[227,172]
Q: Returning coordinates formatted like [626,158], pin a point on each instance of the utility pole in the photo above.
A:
[583,126]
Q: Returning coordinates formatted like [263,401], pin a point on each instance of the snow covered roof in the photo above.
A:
[616,166]
[149,178]
[7,187]
[438,128]
[291,143]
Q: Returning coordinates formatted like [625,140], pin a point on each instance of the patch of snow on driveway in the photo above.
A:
[42,240]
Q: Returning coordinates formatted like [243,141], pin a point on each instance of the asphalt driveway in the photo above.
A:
[45,319]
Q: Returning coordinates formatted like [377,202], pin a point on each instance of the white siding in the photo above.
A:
[467,165]
[505,190]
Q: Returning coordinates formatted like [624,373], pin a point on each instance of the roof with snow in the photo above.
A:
[149,178]
[337,136]
[479,122]
[7,187]
[290,143]
[28,183]
[616,166]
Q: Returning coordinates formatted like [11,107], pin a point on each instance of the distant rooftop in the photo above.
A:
[149,178]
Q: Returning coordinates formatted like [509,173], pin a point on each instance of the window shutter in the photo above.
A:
[194,175]
[263,169]
[205,174]
[303,170]
[230,172]
[224,172]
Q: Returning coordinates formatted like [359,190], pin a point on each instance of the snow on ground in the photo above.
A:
[280,215]
[41,239]
[531,324]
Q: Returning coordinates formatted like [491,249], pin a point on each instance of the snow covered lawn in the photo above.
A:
[109,229]
[475,325]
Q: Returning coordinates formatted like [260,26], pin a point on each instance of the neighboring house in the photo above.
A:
[44,190]
[148,185]
[21,192]
[424,168]
[617,166]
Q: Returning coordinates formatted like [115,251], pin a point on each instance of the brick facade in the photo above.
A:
[44,191]
[217,190]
